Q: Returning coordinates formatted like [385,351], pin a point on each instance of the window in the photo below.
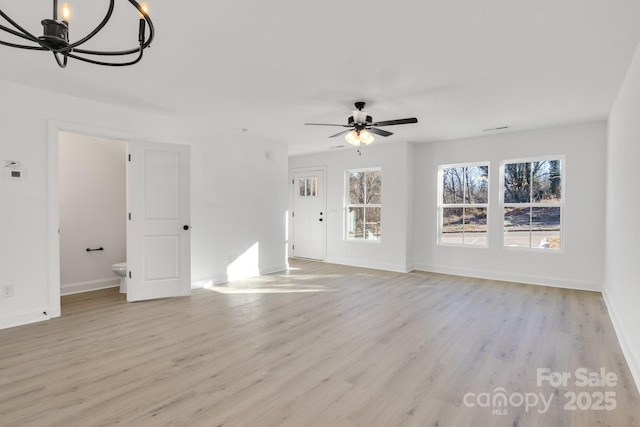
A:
[533,203]
[464,191]
[363,204]
[308,186]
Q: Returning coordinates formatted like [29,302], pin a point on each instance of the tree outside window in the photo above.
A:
[463,205]
[364,204]
[533,203]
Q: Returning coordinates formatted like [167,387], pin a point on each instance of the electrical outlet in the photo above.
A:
[6,291]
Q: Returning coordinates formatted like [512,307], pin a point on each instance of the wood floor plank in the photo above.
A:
[318,345]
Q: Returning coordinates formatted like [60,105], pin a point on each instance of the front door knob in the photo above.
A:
[186,227]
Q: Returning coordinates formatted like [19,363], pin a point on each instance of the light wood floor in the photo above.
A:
[320,345]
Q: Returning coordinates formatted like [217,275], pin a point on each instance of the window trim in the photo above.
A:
[348,205]
[561,205]
[441,205]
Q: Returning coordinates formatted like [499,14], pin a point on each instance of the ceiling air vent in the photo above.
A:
[495,129]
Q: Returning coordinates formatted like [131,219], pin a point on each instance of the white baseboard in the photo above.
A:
[511,277]
[89,285]
[207,282]
[628,350]
[24,317]
[274,269]
[398,268]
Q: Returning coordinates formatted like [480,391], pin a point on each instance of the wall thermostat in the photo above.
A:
[19,174]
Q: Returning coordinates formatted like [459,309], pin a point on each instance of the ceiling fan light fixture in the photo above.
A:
[363,127]
[353,138]
[359,116]
[365,137]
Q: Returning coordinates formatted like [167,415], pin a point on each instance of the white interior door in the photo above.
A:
[158,237]
[309,216]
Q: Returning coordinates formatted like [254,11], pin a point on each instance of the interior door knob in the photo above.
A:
[186,227]
[320,219]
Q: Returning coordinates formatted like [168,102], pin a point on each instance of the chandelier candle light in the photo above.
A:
[55,37]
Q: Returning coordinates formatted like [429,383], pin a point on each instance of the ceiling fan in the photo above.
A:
[361,126]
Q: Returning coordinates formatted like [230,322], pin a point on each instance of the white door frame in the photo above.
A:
[323,197]
[54,127]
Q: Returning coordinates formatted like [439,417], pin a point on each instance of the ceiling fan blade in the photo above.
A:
[396,122]
[380,132]
[326,124]
[340,133]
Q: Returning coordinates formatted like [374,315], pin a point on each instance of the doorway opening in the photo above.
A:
[157,216]
[92,188]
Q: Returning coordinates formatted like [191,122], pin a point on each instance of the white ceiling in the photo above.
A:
[459,66]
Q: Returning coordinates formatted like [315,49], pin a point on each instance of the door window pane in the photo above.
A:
[303,187]
[309,186]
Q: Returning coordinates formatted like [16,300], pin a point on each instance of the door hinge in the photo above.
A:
[129,216]
[293,214]
[293,181]
[129,275]
[129,157]
[293,247]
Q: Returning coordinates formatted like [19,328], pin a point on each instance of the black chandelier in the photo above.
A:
[55,38]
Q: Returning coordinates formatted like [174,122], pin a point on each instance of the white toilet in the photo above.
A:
[120,269]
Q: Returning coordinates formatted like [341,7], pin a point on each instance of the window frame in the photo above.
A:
[348,205]
[530,204]
[441,205]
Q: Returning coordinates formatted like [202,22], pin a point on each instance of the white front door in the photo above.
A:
[158,237]
[309,216]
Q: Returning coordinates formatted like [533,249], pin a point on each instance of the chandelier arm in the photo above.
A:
[15,33]
[143,45]
[18,27]
[62,64]
[110,64]
[109,53]
[92,33]
[18,34]
[149,23]
[19,46]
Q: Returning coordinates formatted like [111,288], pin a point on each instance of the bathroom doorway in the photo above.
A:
[92,188]
[158,256]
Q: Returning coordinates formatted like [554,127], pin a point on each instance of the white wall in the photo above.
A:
[230,173]
[392,252]
[239,199]
[622,269]
[579,266]
[93,207]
